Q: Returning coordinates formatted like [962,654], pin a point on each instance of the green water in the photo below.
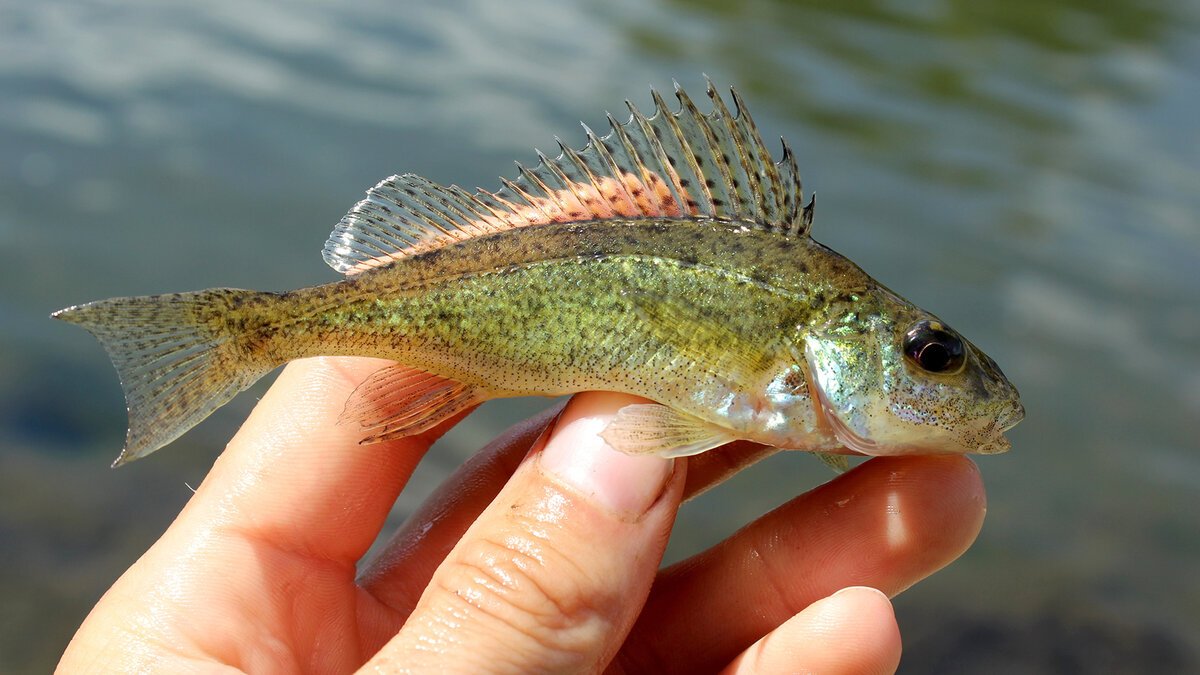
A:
[1028,170]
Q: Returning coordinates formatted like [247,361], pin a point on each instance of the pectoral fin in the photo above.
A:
[839,463]
[654,429]
[400,401]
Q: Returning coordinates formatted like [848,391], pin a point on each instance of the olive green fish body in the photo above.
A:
[641,307]
[670,259]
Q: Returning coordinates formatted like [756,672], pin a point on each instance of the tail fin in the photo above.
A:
[177,356]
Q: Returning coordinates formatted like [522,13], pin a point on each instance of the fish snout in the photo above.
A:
[1006,420]
[1011,417]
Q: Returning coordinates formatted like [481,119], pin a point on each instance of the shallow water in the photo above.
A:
[1028,170]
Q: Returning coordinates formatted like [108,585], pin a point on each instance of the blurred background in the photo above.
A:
[1027,169]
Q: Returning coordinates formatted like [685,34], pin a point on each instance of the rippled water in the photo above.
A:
[1029,170]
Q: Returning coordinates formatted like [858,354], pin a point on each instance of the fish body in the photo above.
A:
[670,259]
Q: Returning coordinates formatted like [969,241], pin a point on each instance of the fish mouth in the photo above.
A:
[996,446]
[1007,420]
[1011,418]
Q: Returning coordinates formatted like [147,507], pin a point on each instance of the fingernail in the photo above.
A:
[860,589]
[627,485]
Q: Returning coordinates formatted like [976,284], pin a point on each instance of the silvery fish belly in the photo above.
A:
[670,258]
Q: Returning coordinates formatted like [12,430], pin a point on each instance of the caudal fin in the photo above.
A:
[177,357]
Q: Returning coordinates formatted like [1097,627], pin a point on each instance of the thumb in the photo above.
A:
[554,572]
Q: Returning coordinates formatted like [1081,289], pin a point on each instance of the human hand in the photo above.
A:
[525,560]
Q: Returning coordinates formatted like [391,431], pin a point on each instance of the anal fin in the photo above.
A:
[655,429]
[400,401]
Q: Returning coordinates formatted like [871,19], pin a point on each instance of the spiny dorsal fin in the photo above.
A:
[671,164]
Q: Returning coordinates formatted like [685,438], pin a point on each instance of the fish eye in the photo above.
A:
[934,348]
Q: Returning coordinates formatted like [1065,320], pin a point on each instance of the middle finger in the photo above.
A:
[399,573]
[887,524]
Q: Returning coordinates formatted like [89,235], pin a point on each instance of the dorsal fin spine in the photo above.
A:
[791,202]
[794,197]
[501,209]
[566,152]
[677,164]
[468,204]
[507,210]
[569,185]
[619,131]
[609,163]
[764,162]
[535,181]
[512,186]
[740,144]
[663,116]
[690,153]
[666,173]
[715,153]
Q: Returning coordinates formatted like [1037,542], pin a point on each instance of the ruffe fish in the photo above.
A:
[670,259]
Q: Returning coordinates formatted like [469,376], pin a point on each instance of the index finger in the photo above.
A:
[293,476]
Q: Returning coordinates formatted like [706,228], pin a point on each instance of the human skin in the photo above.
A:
[541,553]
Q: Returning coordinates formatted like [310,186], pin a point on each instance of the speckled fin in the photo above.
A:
[668,165]
[654,429]
[178,355]
[400,401]
[839,463]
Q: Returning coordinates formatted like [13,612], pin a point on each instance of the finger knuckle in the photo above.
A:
[519,585]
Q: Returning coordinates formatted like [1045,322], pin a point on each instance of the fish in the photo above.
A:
[671,259]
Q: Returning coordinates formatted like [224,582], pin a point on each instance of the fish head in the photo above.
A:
[892,379]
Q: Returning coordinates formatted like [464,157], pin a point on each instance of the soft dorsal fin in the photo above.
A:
[671,164]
